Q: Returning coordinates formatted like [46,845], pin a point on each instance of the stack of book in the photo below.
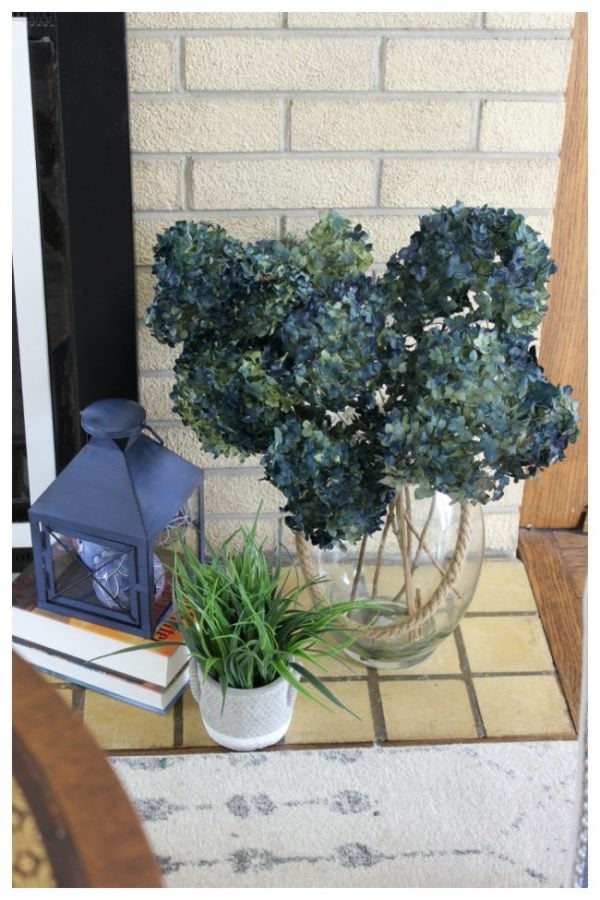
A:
[68,649]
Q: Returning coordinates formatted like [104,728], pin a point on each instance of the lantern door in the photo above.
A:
[94,578]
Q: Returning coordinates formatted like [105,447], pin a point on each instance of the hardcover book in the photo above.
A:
[146,695]
[85,641]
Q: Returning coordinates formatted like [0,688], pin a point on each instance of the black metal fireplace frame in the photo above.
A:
[78,63]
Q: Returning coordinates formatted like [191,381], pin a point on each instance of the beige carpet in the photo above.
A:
[495,815]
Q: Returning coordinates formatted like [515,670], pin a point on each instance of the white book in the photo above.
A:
[146,695]
[86,640]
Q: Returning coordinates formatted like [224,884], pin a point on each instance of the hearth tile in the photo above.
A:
[427,710]
[443,661]
[194,732]
[312,723]
[503,587]
[506,644]
[121,726]
[523,705]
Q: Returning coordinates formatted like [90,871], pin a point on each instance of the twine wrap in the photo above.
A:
[413,624]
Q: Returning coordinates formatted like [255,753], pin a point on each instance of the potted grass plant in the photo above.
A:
[387,409]
[251,640]
[254,646]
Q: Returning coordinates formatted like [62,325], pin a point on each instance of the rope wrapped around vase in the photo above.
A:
[413,624]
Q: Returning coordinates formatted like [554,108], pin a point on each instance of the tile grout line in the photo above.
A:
[178,724]
[499,613]
[376,705]
[466,670]
[78,700]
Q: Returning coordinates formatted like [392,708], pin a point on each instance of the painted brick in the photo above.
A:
[279,64]
[150,64]
[286,183]
[151,354]
[154,397]
[144,290]
[219,530]
[240,494]
[381,125]
[515,125]
[389,233]
[184,126]
[562,20]
[498,182]
[543,225]
[251,228]
[512,498]
[380,20]
[204,20]
[424,64]
[182,440]
[501,533]
[156,184]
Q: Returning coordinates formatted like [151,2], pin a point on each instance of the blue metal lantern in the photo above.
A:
[105,531]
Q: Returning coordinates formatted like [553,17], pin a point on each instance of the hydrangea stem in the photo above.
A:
[402,531]
[359,566]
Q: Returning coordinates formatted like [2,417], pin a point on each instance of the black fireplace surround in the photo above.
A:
[78,67]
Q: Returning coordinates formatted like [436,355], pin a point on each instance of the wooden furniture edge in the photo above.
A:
[561,619]
[92,833]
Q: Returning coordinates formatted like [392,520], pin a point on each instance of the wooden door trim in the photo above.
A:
[557,498]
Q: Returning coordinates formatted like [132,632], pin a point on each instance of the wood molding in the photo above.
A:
[556,564]
[557,499]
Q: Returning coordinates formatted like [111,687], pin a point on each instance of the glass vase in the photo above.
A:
[421,569]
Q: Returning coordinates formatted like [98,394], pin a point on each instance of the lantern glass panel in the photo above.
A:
[92,572]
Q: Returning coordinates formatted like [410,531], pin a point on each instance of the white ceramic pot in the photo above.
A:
[250,719]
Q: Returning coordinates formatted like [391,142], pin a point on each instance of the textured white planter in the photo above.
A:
[251,718]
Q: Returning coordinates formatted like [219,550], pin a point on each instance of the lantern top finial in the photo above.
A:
[113,419]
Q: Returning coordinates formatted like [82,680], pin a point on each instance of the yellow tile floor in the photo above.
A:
[493,678]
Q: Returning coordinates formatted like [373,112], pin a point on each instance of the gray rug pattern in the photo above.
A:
[463,815]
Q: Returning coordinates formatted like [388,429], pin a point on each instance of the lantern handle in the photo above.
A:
[153,432]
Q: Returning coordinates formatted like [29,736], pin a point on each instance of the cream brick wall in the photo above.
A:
[259,120]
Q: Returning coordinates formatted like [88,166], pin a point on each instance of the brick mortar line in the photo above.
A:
[178,64]
[378,174]
[476,132]
[366,95]
[379,64]
[287,125]
[373,155]
[279,33]
[232,472]
[243,516]
[306,212]
[189,184]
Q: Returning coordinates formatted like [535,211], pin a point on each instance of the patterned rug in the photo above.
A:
[497,815]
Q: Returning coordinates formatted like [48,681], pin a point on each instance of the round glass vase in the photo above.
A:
[422,568]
